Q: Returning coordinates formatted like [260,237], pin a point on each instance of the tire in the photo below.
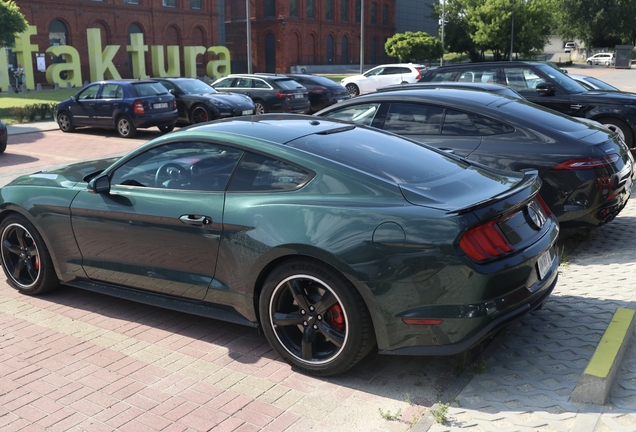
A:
[200,114]
[620,127]
[3,147]
[166,128]
[589,62]
[353,90]
[259,107]
[125,127]
[25,259]
[300,292]
[65,123]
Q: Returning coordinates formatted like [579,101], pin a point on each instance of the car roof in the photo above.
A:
[489,87]
[487,64]
[452,96]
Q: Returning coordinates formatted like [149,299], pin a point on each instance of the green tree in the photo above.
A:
[13,22]
[457,30]
[598,23]
[414,46]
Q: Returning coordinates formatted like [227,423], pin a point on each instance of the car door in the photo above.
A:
[525,80]
[443,128]
[83,111]
[180,96]
[158,227]
[107,102]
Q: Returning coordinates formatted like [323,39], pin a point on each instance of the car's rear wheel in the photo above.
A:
[166,128]
[589,62]
[65,123]
[314,318]
[353,90]
[25,260]
[125,127]
[259,107]
[200,114]
[3,147]
[620,127]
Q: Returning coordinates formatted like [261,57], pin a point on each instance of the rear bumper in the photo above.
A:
[486,330]
[160,119]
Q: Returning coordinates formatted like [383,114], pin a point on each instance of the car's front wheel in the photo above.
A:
[589,62]
[125,127]
[200,114]
[25,260]
[314,318]
[353,90]
[65,123]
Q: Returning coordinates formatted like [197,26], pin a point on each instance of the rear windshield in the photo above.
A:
[288,84]
[385,156]
[149,89]
[320,80]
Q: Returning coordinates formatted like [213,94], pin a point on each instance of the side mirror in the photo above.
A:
[99,185]
[546,89]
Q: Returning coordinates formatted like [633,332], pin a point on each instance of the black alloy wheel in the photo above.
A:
[200,114]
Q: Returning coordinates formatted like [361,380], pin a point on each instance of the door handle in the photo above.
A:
[196,220]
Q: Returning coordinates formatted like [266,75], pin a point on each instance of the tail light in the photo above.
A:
[174,104]
[485,242]
[138,107]
[419,75]
[319,90]
[590,163]
[280,95]
[544,206]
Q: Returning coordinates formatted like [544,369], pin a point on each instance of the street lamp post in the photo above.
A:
[361,37]
[248,23]
[441,60]
[512,29]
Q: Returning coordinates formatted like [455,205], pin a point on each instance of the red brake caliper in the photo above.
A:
[336,318]
[37,262]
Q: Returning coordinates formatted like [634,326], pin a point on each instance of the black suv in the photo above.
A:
[271,93]
[544,84]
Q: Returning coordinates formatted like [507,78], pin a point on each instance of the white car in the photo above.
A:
[382,76]
[605,59]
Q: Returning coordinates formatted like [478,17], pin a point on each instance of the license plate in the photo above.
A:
[247,112]
[299,96]
[160,105]
[544,263]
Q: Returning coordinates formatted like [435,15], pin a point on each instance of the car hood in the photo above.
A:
[466,189]
[66,177]
[353,78]
[605,97]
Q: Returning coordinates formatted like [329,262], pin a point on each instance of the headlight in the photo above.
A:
[219,104]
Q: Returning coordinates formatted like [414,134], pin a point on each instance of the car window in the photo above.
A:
[288,84]
[258,173]
[149,89]
[444,76]
[112,91]
[561,79]
[477,75]
[243,83]
[374,72]
[413,119]
[168,85]
[194,86]
[224,83]
[184,166]
[89,92]
[490,127]
[260,84]
[521,79]
[458,123]
[363,114]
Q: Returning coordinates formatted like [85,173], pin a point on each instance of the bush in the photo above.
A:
[19,113]
[31,112]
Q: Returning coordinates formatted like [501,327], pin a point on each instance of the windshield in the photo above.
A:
[195,86]
[562,79]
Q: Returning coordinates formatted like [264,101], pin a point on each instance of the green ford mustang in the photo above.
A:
[331,237]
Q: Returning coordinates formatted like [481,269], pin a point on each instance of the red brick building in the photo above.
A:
[285,33]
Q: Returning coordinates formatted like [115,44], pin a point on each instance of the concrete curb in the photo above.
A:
[22,128]
[597,379]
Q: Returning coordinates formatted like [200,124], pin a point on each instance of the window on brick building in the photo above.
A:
[170,3]
[270,8]
[344,10]
[329,10]
[358,6]
[310,9]
[293,8]
[195,4]
[374,13]
[385,15]
[131,1]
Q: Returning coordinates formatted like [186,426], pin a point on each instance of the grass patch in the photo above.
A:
[337,78]
[21,100]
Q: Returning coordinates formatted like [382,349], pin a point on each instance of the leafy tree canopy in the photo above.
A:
[13,22]
[414,46]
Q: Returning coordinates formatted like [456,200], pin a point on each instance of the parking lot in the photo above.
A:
[77,360]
